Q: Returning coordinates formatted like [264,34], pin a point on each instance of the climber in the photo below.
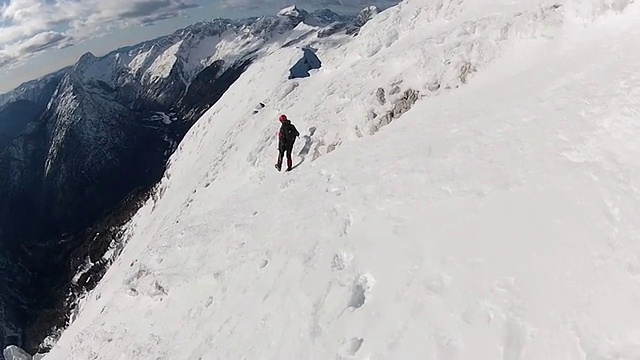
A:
[286,138]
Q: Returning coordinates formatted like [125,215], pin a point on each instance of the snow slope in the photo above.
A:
[495,219]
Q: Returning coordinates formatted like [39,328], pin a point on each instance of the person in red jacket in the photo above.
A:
[286,138]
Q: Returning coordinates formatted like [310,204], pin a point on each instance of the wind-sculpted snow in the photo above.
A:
[591,10]
[496,218]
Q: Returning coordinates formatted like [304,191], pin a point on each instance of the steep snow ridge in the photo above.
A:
[495,220]
[341,111]
[104,106]
[290,11]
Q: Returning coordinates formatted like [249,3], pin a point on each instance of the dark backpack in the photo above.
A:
[289,133]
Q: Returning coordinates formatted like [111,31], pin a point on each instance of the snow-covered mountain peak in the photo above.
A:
[320,17]
[291,12]
[87,57]
[92,69]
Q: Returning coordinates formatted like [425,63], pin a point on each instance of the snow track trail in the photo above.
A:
[496,219]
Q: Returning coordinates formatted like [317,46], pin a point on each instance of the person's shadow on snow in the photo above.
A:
[306,147]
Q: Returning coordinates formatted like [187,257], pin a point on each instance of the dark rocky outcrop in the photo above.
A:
[399,107]
[363,17]
[24,105]
[14,118]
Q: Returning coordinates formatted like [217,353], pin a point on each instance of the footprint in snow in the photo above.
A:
[448,347]
[515,337]
[437,285]
[143,282]
[346,225]
[350,347]
[286,184]
[361,290]
[341,261]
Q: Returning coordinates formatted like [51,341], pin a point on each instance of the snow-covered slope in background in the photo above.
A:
[493,215]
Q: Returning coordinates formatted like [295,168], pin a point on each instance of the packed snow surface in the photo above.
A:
[495,219]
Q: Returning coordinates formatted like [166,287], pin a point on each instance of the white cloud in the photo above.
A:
[28,27]
[42,41]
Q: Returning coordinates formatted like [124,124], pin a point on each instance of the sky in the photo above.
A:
[41,36]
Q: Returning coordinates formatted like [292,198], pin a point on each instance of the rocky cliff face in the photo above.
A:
[24,105]
[78,144]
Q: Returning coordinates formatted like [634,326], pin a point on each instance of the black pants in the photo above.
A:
[282,152]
